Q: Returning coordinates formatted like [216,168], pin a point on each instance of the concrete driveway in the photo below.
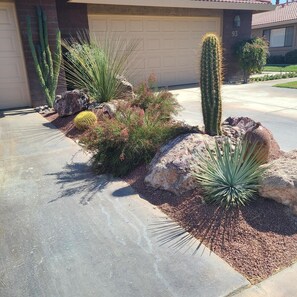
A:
[275,108]
[65,232]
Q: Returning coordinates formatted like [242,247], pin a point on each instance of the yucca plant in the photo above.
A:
[229,176]
[95,65]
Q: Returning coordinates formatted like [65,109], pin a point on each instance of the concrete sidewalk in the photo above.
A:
[282,284]
[65,232]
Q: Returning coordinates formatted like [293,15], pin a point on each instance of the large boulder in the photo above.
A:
[71,102]
[171,167]
[280,181]
[254,131]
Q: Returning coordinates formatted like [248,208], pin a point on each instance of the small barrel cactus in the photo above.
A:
[210,82]
[85,120]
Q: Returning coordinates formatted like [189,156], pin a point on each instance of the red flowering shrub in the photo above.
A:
[151,100]
[129,139]
[135,133]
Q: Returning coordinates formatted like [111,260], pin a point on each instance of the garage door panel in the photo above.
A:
[152,44]
[13,82]
[168,43]
[100,25]
[12,95]
[152,26]
[6,18]
[187,76]
[182,26]
[168,46]
[169,61]
[168,77]
[8,44]
[167,26]
[154,62]
[211,26]
[135,26]
[13,72]
[118,26]
[184,61]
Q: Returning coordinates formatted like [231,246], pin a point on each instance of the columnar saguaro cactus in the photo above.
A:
[47,64]
[210,82]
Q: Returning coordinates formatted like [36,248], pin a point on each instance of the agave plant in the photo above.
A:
[96,65]
[229,176]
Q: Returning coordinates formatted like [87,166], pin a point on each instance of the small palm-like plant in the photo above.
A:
[96,65]
[229,176]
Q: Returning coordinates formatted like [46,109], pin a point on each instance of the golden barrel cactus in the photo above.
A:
[85,120]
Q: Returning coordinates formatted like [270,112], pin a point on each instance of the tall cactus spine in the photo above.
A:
[47,64]
[211,78]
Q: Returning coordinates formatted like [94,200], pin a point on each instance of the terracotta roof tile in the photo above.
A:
[283,12]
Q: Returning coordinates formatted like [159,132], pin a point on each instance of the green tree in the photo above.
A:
[252,55]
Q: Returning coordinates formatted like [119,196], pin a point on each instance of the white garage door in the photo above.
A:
[169,46]
[13,83]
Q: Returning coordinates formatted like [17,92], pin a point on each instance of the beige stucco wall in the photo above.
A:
[278,50]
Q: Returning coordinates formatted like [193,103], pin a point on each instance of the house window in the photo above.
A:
[281,37]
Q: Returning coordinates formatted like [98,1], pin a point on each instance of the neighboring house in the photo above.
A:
[279,27]
[169,31]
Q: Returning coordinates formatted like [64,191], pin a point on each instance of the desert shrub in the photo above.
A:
[276,60]
[229,177]
[129,139]
[291,57]
[151,100]
[85,120]
[95,65]
[252,55]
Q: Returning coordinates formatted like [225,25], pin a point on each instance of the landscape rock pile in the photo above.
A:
[171,167]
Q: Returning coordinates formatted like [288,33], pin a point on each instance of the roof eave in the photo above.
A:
[183,4]
[274,24]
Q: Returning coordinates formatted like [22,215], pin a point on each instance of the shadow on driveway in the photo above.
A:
[78,180]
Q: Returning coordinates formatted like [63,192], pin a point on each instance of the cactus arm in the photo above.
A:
[35,60]
[40,28]
[57,59]
[42,45]
[47,68]
[48,54]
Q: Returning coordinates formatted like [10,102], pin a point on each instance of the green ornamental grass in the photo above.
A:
[229,176]
[95,65]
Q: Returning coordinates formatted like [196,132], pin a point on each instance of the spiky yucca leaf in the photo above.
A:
[229,177]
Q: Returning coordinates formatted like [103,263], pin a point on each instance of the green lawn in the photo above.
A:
[281,68]
[290,85]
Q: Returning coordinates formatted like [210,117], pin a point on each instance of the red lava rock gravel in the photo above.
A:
[256,240]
